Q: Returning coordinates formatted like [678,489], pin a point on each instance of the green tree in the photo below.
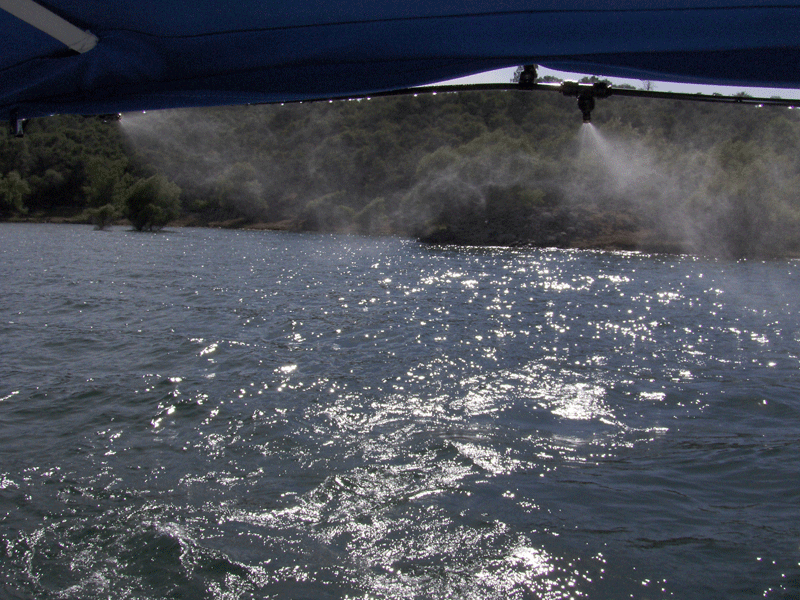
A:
[152,203]
[107,184]
[238,192]
[328,213]
[372,219]
[104,178]
[13,191]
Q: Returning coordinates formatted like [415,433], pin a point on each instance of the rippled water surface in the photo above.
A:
[219,414]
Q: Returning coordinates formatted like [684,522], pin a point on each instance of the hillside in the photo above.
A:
[483,168]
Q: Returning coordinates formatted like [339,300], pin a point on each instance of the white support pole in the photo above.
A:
[53,25]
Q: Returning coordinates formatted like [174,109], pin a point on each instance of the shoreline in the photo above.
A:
[642,241]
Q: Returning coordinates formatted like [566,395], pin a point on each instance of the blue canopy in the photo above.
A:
[146,54]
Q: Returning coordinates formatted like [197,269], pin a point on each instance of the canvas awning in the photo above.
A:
[105,56]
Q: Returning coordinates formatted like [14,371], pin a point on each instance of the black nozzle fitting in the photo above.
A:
[527,79]
[16,126]
[586,106]
[586,93]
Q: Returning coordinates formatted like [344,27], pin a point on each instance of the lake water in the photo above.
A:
[233,414]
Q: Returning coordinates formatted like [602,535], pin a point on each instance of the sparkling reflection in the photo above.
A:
[349,418]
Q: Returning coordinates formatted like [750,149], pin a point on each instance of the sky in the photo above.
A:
[505,75]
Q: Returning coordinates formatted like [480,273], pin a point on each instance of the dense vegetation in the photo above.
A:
[473,167]
[82,169]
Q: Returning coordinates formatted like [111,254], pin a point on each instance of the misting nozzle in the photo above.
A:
[586,93]
[15,124]
[586,106]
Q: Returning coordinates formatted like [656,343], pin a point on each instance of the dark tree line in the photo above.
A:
[473,167]
[84,170]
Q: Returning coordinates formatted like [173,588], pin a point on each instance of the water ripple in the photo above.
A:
[219,414]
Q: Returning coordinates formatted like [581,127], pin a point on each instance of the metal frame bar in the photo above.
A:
[571,88]
[38,16]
